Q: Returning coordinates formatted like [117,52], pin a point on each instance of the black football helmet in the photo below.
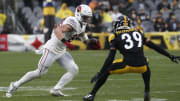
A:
[123,22]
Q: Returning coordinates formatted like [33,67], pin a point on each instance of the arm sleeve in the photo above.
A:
[108,60]
[70,21]
[110,57]
[160,50]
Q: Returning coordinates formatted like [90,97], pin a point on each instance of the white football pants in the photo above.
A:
[47,59]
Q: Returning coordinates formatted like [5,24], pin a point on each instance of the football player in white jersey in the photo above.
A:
[55,50]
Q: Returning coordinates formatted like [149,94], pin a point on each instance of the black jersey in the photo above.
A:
[130,45]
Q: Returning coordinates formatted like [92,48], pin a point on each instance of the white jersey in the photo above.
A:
[57,46]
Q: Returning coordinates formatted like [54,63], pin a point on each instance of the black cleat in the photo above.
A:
[147,96]
[88,97]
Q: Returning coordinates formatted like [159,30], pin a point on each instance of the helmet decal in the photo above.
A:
[125,21]
[79,9]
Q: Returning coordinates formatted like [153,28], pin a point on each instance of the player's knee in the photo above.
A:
[43,72]
[43,69]
[35,73]
[74,69]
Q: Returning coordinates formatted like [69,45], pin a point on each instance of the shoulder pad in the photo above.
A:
[140,30]
[74,23]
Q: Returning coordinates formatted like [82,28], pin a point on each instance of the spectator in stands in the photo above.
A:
[64,12]
[170,15]
[129,5]
[142,15]
[113,3]
[106,16]
[96,22]
[93,4]
[160,25]
[174,5]
[39,28]
[172,24]
[76,2]
[28,3]
[68,2]
[2,21]
[123,8]
[141,4]
[107,20]
[49,15]
[163,6]
[115,13]
[159,15]
[133,17]
[87,2]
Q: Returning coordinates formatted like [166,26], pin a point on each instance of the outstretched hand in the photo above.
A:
[95,77]
[175,58]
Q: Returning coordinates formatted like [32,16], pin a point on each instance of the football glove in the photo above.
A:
[68,44]
[175,58]
[96,77]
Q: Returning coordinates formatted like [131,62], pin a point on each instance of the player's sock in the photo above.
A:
[27,77]
[98,84]
[65,79]
[146,77]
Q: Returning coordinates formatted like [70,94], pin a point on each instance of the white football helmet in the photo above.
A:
[83,13]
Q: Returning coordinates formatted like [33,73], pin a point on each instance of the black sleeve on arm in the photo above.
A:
[108,60]
[150,44]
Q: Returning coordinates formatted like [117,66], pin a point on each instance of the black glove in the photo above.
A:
[175,58]
[96,77]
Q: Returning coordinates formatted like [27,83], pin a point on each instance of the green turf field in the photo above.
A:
[165,81]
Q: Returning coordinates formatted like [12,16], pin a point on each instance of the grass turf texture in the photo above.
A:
[165,79]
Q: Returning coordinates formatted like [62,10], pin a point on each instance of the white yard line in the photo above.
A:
[140,99]
[40,88]
[68,100]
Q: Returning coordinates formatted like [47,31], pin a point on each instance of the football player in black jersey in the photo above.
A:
[130,44]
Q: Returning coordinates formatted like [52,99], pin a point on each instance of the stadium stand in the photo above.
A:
[28,16]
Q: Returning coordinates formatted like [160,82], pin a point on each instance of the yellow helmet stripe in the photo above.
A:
[125,19]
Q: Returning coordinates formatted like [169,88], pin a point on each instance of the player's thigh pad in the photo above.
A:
[129,69]
[46,61]
[119,67]
[67,61]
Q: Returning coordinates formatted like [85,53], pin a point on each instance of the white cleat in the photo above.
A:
[10,90]
[56,92]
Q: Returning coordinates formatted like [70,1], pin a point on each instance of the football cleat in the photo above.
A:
[88,97]
[147,96]
[55,92]
[10,90]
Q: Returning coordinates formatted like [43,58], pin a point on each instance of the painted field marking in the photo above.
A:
[68,100]
[39,88]
[141,99]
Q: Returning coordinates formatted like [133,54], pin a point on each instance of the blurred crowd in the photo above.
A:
[148,15]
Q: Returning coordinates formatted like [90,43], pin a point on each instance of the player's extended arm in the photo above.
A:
[106,64]
[59,32]
[150,44]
